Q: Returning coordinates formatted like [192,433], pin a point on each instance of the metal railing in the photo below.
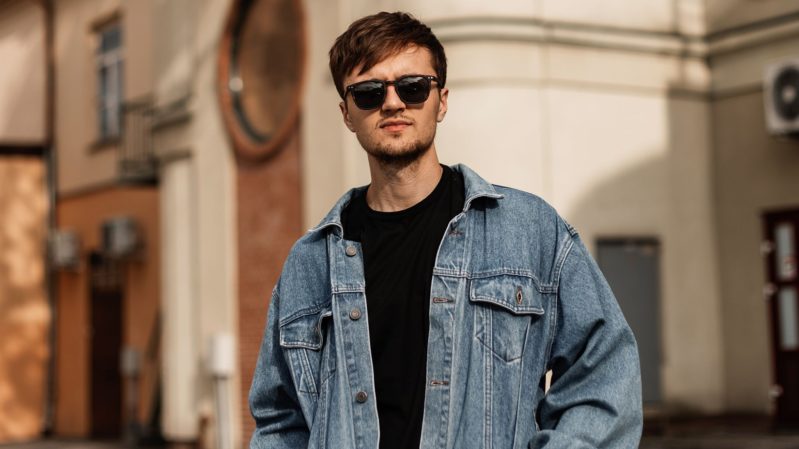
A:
[137,161]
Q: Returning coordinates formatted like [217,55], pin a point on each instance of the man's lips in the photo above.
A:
[395,125]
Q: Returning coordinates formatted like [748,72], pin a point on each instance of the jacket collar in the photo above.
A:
[474,187]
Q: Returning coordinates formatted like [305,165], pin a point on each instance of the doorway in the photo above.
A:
[632,268]
[780,249]
[106,341]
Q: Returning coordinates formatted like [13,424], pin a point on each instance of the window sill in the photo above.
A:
[104,144]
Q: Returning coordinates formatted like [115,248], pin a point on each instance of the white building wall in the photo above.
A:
[185,63]
[216,225]
[755,172]
[179,306]
[601,108]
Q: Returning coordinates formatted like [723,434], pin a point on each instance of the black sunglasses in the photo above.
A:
[411,89]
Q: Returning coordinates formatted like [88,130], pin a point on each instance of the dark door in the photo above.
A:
[632,268]
[106,340]
[782,293]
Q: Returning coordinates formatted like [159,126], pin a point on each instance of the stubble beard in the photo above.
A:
[394,158]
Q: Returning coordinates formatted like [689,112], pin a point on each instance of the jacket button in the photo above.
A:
[361,396]
[351,251]
[355,314]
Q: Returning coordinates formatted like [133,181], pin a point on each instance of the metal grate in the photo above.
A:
[137,161]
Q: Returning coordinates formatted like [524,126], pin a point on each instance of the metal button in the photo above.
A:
[351,251]
[518,295]
[355,314]
[361,396]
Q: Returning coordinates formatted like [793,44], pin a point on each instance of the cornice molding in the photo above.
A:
[749,37]
[519,29]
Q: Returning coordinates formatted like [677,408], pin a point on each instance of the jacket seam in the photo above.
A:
[556,297]
[304,312]
[560,262]
[541,287]
[348,289]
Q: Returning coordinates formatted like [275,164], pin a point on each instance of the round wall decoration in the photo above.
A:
[261,66]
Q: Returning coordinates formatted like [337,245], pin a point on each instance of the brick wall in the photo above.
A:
[269,222]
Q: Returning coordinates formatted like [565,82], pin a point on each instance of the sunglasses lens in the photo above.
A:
[368,94]
[413,89]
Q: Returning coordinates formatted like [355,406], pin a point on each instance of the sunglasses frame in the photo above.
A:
[385,84]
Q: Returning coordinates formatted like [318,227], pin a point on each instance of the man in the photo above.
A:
[427,307]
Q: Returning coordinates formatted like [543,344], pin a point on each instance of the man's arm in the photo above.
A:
[279,423]
[595,396]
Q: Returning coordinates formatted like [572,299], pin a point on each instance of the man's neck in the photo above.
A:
[394,189]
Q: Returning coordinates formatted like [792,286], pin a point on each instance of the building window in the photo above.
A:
[109,77]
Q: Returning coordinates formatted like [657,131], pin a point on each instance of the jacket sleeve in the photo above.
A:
[594,400]
[279,422]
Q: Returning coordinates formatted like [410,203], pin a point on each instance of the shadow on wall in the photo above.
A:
[24,313]
[670,196]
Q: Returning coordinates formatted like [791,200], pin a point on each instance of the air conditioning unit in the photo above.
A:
[64,250]
[120,237]
[782,98]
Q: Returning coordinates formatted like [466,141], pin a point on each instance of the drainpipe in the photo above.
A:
[50,165]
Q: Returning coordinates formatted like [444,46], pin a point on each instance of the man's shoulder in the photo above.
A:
[304,280]
[529,208]
[309,247]
[523,198]
[526,234]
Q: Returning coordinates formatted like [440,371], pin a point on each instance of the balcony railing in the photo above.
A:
[137,161]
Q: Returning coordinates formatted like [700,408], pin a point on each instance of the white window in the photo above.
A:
[109,77]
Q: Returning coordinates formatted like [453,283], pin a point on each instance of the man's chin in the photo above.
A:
[402,156]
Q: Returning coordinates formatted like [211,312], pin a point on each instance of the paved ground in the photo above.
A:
[726,432]
[715,441]
[704,442]
[723,442]
[65,444]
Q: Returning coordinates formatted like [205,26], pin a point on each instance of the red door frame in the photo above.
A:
[785,363]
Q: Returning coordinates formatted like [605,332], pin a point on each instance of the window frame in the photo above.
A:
[110,88]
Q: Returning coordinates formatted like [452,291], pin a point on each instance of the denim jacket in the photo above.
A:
[514,294]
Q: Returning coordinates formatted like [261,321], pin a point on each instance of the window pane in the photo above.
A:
[103,110]
[112,99]
[103,78]
[110,39]
[103,114]
[789,328]
[109,78]
[785,253]
[113,121]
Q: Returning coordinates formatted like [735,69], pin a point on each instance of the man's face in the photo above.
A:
[396,131]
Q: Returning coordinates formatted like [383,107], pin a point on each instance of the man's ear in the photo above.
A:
[443,95]
[345,114]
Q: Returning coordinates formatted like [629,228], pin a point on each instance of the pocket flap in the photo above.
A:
[304,331]
[517,294]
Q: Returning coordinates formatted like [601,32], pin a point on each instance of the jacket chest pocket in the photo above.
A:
[308,344]
[505,306]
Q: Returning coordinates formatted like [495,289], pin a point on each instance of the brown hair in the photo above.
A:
[370,39]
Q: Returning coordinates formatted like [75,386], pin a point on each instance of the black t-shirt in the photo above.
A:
[399,251]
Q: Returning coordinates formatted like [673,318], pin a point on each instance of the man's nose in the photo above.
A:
[392,101]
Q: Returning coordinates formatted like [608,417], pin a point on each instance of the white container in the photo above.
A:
[221,357]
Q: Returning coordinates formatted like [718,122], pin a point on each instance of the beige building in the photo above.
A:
[184,170]
[644,124]
[25,312]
